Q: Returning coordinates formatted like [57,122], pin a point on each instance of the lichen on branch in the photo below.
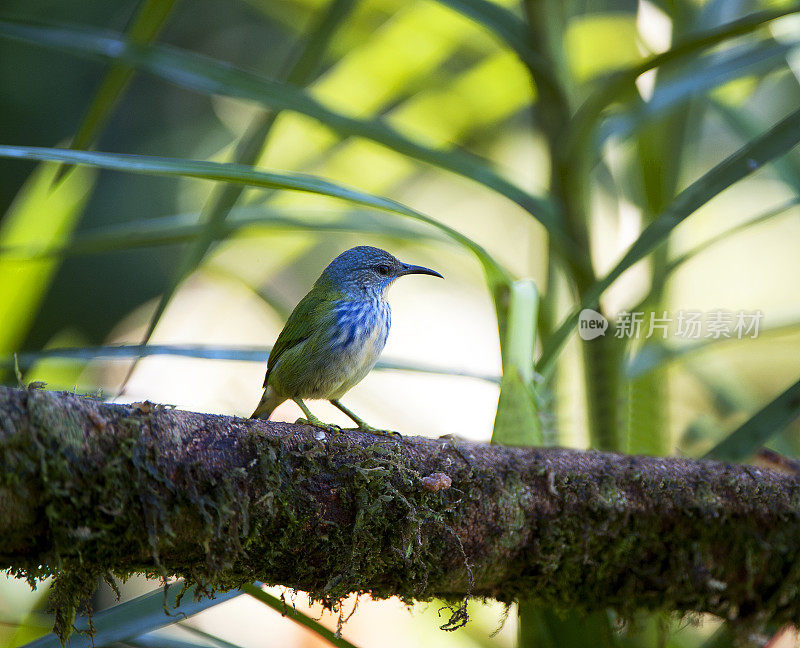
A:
[91,490]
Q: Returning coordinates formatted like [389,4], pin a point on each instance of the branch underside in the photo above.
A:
[89,489]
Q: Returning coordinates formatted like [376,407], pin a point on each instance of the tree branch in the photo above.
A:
[89,489]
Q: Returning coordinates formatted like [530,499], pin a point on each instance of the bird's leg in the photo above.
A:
[362,425]
[310,419]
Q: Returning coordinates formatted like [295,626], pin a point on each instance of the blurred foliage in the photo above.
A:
[616,155]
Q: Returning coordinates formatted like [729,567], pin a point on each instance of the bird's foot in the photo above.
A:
[363,427]
[314,421]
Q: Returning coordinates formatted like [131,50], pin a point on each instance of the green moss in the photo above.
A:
[334,517]
[94,521]
[394,521]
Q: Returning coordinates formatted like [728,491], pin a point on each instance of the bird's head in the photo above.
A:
[366,272]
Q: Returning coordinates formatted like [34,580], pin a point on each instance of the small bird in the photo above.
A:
[335,334]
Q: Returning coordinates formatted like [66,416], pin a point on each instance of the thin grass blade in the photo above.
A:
[136,617]
[180,228]
[240,174]
[239,354]
[295,615]
[674,264]
[780,210]
[788,168]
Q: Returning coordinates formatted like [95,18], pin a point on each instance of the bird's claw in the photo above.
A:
[371,430]
[335,429]
[330,427]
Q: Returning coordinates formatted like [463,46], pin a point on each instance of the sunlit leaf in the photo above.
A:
[600,42]
[42,215]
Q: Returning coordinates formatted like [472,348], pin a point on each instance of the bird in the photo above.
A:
[334,335]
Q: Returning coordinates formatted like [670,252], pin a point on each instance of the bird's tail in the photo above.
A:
[269,401]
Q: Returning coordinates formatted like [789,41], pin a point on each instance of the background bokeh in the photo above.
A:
[87,255]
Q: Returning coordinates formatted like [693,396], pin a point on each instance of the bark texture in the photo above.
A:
[89,489]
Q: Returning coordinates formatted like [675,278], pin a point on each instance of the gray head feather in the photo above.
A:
[365,272]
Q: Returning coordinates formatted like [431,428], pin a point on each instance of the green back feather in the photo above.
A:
[311,314]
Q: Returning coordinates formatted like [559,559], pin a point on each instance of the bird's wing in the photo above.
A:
[312,313]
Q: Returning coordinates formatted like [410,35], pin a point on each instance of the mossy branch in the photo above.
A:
[89,489]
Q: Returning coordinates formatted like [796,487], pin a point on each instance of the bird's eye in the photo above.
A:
[383,270]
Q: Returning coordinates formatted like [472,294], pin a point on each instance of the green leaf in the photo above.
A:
[622,84]
[748,438]
[245,175]
[180,228]
[135,617]
[199,73]
[509,29]
[642,365]
[780,139]
[147,24]
[499,20]
[517,419]
[43,214]
[788,168]
[702,76]
[295,615]
[596,43]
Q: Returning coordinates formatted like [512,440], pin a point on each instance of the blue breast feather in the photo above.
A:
[356,322]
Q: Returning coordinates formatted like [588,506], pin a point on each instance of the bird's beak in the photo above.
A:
[415,269]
